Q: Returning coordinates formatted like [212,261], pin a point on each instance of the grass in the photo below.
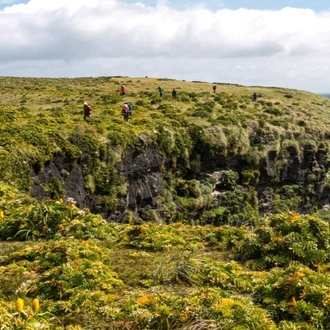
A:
[163,269]
[171,277]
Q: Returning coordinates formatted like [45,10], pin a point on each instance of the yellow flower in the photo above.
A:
[1,214]
[298,275]
[60,227]
[277,239]
[143,300]
[294,217]
[35,305]
[19,305]
[143,228]
[227,302]
[294,302]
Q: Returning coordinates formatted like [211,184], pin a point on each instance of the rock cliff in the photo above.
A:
[231,190]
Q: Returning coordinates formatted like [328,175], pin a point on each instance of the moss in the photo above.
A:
[196,164]
[88,147]
[55,188]
[151,216]
[281,203]
[90,184]
[250,177]
[189,188]
[292,147]
[310,145]
[228,180]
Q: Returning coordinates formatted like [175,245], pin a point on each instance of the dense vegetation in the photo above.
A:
[65,267]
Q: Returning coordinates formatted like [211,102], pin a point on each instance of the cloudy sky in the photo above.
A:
[252,42]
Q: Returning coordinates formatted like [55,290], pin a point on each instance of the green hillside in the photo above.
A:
[181,148]
[208,211]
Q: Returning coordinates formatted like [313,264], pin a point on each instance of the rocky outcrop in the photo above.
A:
[297,181]
[142,171]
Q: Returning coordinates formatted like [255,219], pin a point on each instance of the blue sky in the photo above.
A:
[263,43]
[219,4]
[249,4]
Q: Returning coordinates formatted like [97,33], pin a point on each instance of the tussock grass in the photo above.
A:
[89,274]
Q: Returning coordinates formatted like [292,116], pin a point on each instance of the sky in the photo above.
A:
[253,43]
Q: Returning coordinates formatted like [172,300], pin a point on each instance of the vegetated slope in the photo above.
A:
[204,158]
[89,274]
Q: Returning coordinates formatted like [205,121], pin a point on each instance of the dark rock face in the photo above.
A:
[307,172]
[141,170]
[69,176]
[144,172]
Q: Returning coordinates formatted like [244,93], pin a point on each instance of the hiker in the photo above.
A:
[125,111]
[123,90]
[161,91]
[214,88]
[87,110]
[255,96]
[174,93]
[130,107]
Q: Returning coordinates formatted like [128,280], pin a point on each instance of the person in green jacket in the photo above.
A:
[161,91]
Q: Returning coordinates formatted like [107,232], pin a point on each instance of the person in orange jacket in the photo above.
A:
[123,90]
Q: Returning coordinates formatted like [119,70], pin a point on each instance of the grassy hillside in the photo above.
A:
[266,272]
[200,131]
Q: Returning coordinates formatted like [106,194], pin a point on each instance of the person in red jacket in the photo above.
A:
[87,110]
[123,90]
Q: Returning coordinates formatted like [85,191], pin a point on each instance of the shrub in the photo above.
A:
[283,238]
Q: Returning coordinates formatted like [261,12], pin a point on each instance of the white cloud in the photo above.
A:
[287,47]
